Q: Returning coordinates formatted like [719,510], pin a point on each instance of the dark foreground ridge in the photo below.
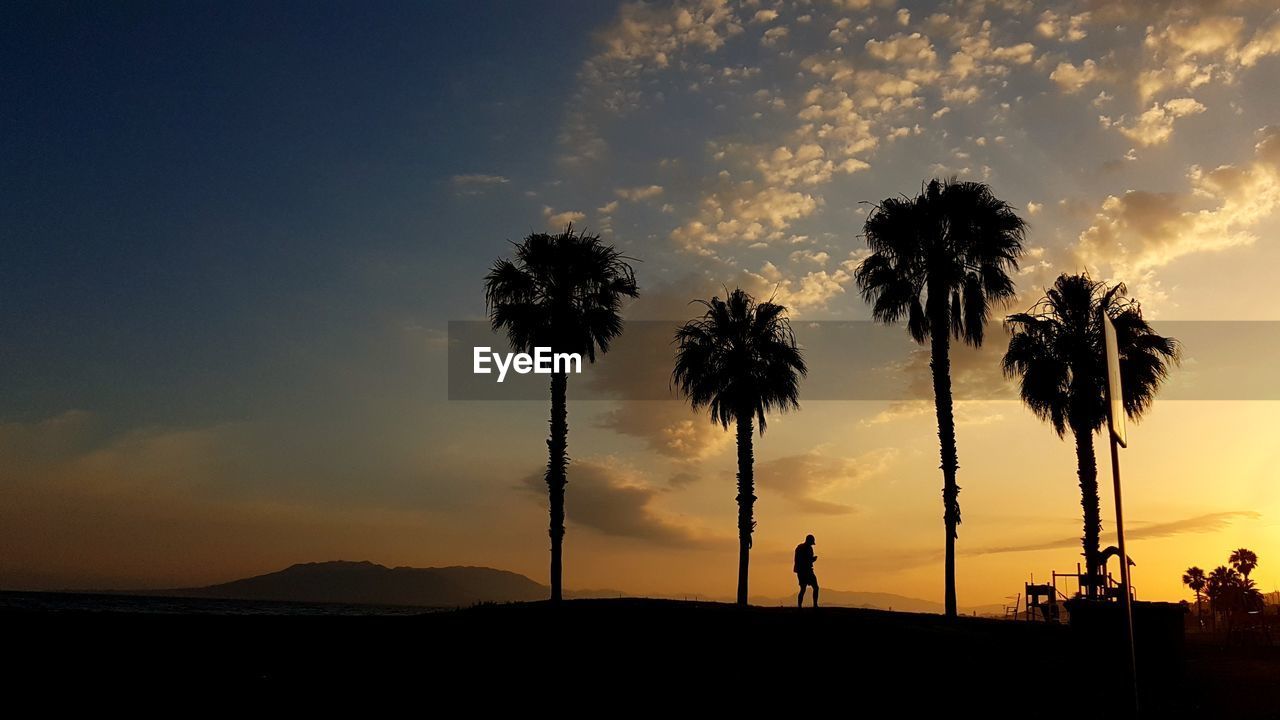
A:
[644,653]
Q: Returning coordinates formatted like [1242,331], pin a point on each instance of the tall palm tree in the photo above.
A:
[740,360]
[564,292]
[1244,561]
[1195,579]
[1057,350]
[939,261]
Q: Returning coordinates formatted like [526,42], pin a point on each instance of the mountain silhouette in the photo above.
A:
[366,582]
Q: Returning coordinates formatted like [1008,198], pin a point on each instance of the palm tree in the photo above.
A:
[1057,350]
[1220,585]
[1244,561]
[1231,592]
[1195,579]
[939,261]
[564,292]
[740,360]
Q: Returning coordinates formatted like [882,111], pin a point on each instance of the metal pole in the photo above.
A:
[1124,568]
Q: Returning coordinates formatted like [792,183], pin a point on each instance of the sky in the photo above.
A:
[233,236]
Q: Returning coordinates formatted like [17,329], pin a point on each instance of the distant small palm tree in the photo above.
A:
[1057,351]
[1231,593]
[740,360]
[939,261]
[564,292]
[1195,579]
[1244,561]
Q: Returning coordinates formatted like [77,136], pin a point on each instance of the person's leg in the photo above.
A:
[815,591]
[800,598]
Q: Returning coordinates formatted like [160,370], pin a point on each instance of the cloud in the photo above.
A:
[913,49]
[1135,530]
[558,220]
[644,39]
[636,194]
[808,479]
[773,36]
[476,183]
[810,291]
[1063,28]
[669,428]
[479,179]
[614,499]
[1209,522]
[1155,126]
[764,16]
[1139,231]
[742,214]
[1188,45]
[852,83]
[652,34]
[1072,79]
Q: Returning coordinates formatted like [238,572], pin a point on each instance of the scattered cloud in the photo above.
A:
[809,481]
[1136,530]
[1064,28]
[1209,522]
[615,499]
[1155,126]
[764,16]
[1072,79]
[636,194]
[669,428]
[558,220]
[1139,231]
[476,183]
[773,36]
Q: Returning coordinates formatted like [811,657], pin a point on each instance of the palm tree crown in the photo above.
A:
[1244,561]
[1057,350]
[739,359]
[1194,578]
[941,258]
[563,291]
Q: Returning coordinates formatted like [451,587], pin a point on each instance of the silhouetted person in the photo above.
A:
[804,570]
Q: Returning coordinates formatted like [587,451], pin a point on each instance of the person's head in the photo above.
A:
[808,540]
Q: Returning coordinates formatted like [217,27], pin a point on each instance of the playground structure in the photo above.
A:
[1046,601]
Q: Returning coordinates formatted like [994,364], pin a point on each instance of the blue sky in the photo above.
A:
[195,192]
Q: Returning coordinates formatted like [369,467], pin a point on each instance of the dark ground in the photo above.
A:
[610,656]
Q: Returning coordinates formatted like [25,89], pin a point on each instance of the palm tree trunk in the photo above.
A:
[746,502]
[940,363]
[1087,470]
[557,461]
